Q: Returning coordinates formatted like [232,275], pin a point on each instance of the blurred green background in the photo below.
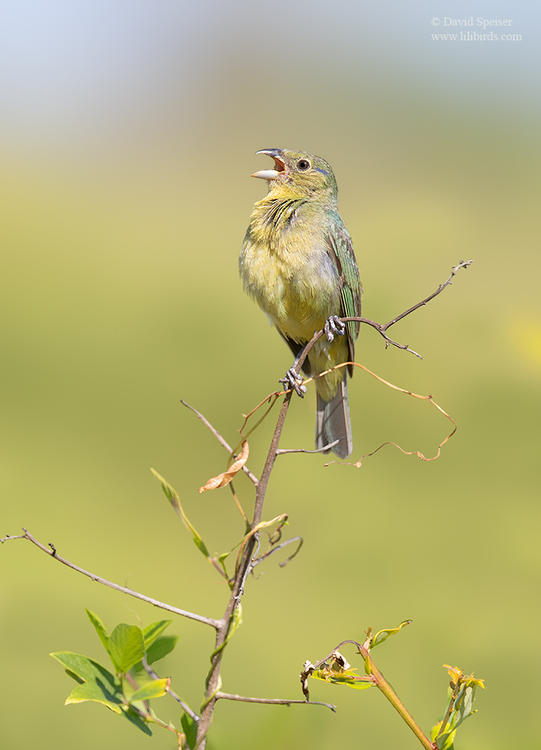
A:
[128,134]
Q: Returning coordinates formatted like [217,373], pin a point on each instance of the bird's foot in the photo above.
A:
[333,327]
[293,380]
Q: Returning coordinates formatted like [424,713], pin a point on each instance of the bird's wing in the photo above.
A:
[341,252]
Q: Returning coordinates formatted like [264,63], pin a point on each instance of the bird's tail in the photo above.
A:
[333,422]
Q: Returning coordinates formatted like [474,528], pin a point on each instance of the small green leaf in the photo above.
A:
[172,495]
[137,720]
[151,632]
[444,741]
[99,684]
[82,666]
[190,729]
[347,677]
[221,560]
[126,646]
[464,705]
[94,691]
[382,635]
[154,689]
[100,628]
[161,647]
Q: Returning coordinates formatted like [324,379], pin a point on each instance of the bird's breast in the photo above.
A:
[292,278]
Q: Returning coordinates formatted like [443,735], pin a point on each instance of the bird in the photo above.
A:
[297,262]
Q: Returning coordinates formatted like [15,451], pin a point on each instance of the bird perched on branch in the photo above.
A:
[297,261]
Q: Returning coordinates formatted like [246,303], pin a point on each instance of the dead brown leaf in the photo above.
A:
[223,479]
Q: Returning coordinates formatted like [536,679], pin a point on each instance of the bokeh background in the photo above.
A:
[128,132]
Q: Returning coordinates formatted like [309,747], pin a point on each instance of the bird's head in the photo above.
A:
[299,174]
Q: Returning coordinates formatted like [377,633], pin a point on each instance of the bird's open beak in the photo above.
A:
[279,165]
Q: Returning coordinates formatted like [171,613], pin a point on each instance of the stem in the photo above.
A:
[382,684]
[213,681]
[51,551]
[182,704]
[220,439]
[449,711]
[274,701]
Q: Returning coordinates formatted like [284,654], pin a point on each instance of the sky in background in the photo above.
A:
[75,71]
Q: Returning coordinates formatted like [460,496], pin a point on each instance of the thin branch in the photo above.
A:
[382,685]
[223,442]
[272,701]
[213,681]
[382,328]
[439,290]
[348,641]
[277,548]
[123,589]
[430,399]
[184,706]
[239,504]
[449,711]
[325,448]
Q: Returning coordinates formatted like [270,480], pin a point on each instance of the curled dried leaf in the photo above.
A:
[223,479]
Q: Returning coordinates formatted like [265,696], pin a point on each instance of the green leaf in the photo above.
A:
[82,666]
[446,740]
[347,677]
[98,685]
[221,560]
[161,647]
[151,632]
[137,720]
[172,495]
[126,646]
[100,628]
[154,689]
[94,691]
[190,729]
[382,635]
[464,706]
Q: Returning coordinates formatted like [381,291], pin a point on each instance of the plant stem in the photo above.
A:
[273,701]
[213,681]
[51,551]
[382,684]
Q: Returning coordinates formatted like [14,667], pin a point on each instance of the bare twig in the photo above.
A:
[430,399]
[277,548]
[441,287]
[182,704]
[275,701]
[220,439]
[123,589]
[325,448]
[382,328]
[239,505]
[214,679]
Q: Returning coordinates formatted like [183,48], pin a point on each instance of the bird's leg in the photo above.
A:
[293,380]
[334,326]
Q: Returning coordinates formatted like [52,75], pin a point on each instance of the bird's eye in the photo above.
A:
[303,165]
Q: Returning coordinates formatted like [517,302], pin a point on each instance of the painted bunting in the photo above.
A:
[297,261]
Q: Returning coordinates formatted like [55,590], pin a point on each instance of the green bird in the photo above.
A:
[297,262]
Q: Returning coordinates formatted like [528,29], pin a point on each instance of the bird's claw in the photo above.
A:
[293,380]
[333,327]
